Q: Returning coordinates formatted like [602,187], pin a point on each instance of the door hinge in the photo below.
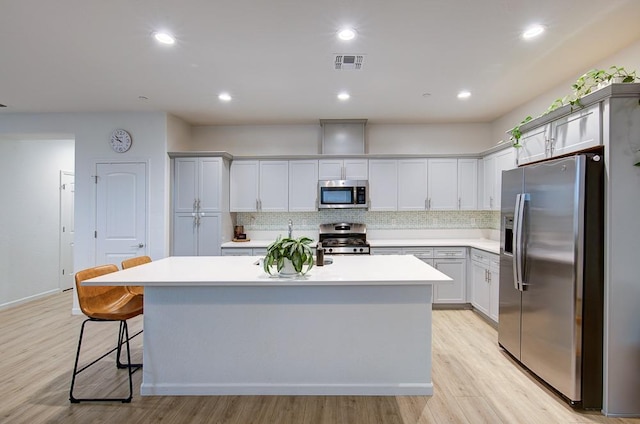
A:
[63,272]
[95,179]
[95,234]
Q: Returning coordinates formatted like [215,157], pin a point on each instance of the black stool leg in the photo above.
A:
[119,363]
[124,332]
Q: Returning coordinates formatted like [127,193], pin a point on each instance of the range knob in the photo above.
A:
[330,250]
[355,250]
[361,249]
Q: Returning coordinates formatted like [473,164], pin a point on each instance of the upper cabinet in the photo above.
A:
[303,185]
[493,165]
[343,169]
[259,186]
[383,185]
[571,133]
[436,184]
[197,184]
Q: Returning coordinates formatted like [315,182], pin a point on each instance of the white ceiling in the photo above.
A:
[275,57]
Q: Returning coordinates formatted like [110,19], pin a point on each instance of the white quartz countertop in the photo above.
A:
[243,271]
[491,246]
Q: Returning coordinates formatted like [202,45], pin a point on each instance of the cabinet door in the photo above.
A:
[237,251]
[505,160]
[412,184]
[244,186]
[210,182]
[185,234]
[274,186]
[454,291]
[534,145]
[480,289]
[356,169]
[383,185]
[185,184]
[494,287]
[577,131]
[208,225]
[386,251]
[442,184]
[330,169]
[489,174]
[303,185]
[467,184]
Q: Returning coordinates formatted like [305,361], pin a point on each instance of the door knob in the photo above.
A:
[139,245]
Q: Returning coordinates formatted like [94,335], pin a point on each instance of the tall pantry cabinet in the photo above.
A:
[200,205]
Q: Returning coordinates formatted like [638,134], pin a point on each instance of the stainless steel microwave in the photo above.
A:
[336,194]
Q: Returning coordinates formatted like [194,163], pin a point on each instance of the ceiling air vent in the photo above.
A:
[348,61]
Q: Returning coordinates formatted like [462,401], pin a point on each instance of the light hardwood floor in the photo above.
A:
[474,382]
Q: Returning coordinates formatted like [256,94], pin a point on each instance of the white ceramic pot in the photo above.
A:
[288,270]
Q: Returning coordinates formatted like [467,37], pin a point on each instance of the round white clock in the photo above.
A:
[120,140]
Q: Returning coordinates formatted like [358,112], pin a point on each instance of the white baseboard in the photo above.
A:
[28,299]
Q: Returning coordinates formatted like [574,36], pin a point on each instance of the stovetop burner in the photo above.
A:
[344,238]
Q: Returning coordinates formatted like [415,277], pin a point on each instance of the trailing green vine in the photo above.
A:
[585,84]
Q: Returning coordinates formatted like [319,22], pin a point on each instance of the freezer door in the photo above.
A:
[551,301]
[510,297]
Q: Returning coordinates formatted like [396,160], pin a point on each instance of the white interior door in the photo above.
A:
[121,211]
[67,190]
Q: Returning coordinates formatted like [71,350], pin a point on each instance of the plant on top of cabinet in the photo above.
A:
[587,83]
[291,256]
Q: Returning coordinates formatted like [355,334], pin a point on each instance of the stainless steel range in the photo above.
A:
[344,239]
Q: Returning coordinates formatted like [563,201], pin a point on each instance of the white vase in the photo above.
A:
[288,270]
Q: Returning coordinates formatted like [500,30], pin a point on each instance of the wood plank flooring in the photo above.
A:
[475,382]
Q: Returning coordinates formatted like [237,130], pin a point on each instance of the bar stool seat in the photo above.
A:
[135,261]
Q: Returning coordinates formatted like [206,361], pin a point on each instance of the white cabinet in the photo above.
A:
[259,186]
[577,131]
[442,184]
[485,283]
[450,261]
[412,184]
[197,184]
[534,144]
[343,169]
[244,251]
[303,185]
[467,184]
[494,164]
[386,250]
[383,185]
[244,186]
[273,195]
[198,205]
[437,184]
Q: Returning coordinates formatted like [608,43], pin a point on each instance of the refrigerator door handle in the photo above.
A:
[516,253]
[519,251]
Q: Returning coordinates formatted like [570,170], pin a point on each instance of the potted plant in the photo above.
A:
[290,256]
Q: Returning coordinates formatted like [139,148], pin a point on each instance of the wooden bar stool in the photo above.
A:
[106,304]
[131,262]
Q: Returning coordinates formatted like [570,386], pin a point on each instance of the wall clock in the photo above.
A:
[120,140]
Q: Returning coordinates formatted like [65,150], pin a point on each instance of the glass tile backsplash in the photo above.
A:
[265,221]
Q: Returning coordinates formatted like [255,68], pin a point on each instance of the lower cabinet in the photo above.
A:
[244,251]
[451,261]
[196,234]
[485,283]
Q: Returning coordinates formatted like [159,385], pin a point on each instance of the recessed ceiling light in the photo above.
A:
[164,37]
[344,96]
[464,94]
[533,31]
[225,97]
[347,34]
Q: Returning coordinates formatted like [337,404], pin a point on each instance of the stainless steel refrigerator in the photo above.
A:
[551,273]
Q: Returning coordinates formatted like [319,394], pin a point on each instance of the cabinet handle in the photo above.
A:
[257,205]
[195,204]
[198,204]
[425,203]
[459,203]
[429,202]
[488,276]
[491,202]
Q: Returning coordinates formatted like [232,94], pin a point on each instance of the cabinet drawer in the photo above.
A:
[236,251]
[450,252]
[419,252]
[386,251]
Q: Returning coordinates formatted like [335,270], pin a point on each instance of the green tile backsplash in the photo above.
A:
[265,221]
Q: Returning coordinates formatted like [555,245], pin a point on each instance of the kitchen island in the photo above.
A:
[221,326]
